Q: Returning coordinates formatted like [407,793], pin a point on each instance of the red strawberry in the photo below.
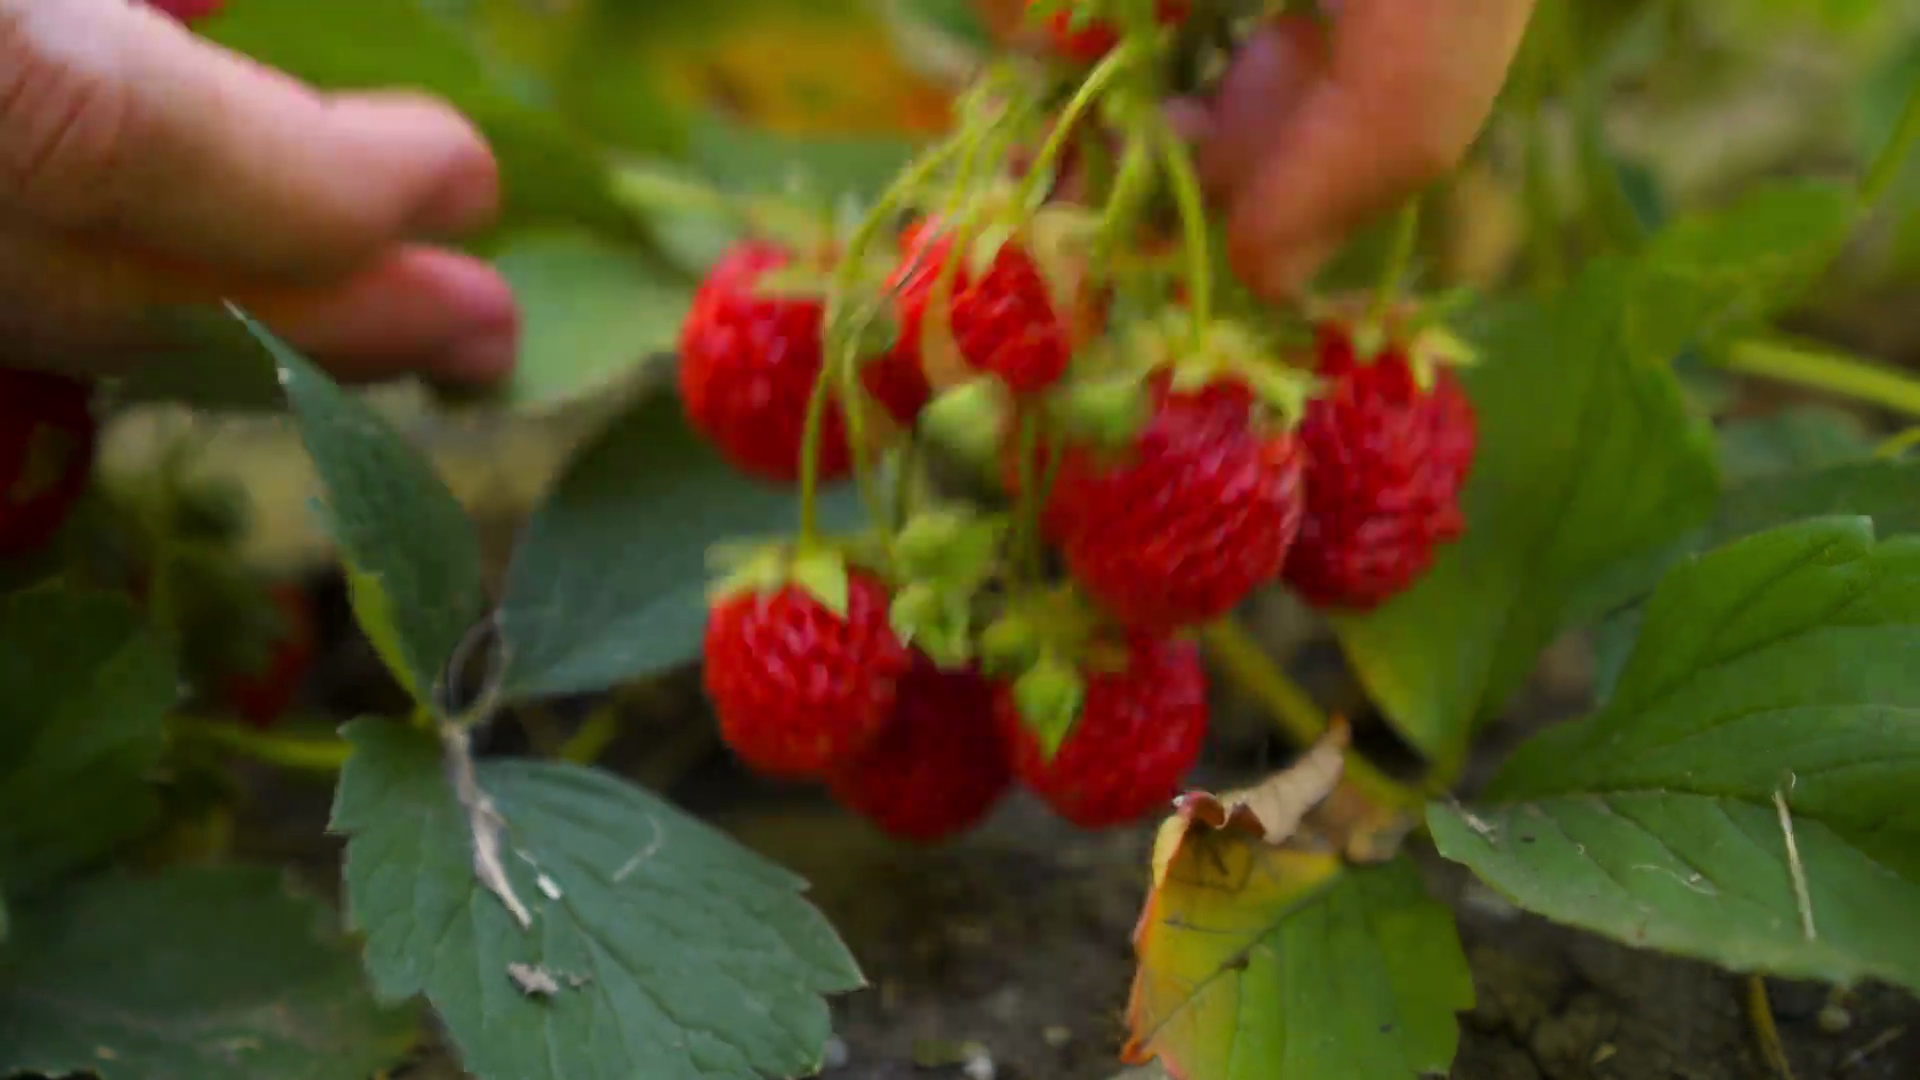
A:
[1004,323]
[1098,37]
[48,440]
[1196,513]
[262,696]
[188,11]
[799,689]
[938,766]
[1139,731]
[1388,462]
[748,364]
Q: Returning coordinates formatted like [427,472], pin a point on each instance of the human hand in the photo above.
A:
[141,167]
[1314,130]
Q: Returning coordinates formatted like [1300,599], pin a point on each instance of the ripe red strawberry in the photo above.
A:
[748,364]
[1196,513]
[48,440]
[938,766]
[1097,38]
[1003,323]
[189,11]
[799,689]
[1388,461]
[1140,730]
[264,695]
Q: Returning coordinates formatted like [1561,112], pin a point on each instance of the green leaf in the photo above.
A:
[1888,492]
[591,312]
[412,554]
[1777,670]
[548,173]
[753,160]
[657,946]
[609,583]
[1588,462]
[1278,976]
[1735,267]
[210,973]
[1795,438]
[87,687]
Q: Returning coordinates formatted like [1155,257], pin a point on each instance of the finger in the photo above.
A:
[437,313]
[95,309]
[117,122]
[1404,90]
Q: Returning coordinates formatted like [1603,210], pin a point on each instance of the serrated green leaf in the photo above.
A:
[548,174]
[1888,492]
[86,688]
[211,973]
[1252,972]
[591,312]
[1777,670]
[413,553]
[609,582]
[1588,462]
[657,946]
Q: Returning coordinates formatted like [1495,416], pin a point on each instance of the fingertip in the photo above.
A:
[455,178]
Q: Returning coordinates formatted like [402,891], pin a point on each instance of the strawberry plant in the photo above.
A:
[970,465]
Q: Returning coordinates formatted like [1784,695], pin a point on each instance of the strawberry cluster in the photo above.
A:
[1156,459]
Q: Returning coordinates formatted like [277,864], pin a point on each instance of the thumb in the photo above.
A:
[1312,137]
[118,124]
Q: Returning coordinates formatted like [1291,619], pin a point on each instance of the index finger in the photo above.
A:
[117,123]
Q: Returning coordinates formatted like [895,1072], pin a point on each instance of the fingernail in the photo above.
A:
[485,358]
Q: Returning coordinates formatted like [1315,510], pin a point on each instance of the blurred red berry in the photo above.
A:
[48,440]
[799,690]
[1097,37]
[1003,322]
[938,766]
[1388,460]
[188,11]
[261,697]
[1139,732]
[748,364]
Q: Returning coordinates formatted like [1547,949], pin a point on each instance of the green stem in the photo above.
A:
[1543,204]
[1193,223]
[1406,237]
[1833,372]
[1886,166]
[1098,80]
[1293,709]
[845,276]
[323,755]
[594,735]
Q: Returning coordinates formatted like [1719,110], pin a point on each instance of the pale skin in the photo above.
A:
[141,167]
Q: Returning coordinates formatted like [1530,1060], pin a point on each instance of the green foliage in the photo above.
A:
[413,557]
[1590,475]
[590,313]
[1588,462]
[1801,437]
[1774,677]
[654,946]
[216,973]
[609,581]
[80,730]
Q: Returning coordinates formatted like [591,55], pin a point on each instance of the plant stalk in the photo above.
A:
[1886,166]
[322,755]
[1833,372]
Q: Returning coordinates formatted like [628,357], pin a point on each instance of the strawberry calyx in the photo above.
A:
[947,556]
[1229,352]
[820,568]
[1410,331]
[1045,644]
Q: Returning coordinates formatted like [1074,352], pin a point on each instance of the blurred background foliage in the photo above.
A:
[616,120]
